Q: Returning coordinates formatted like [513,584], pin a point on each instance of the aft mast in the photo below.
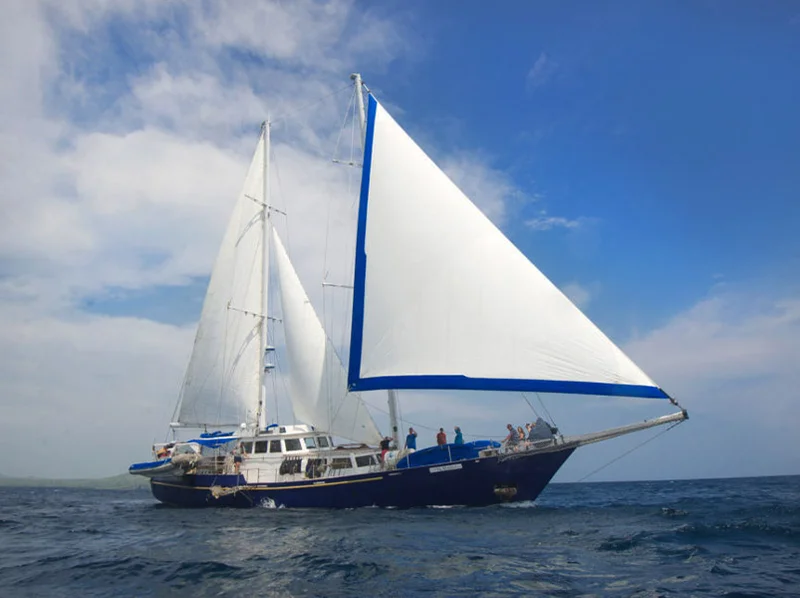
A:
[261,416]
[362,119]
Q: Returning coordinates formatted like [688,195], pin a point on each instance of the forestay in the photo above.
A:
[444,300]
[317,380]
[222,380]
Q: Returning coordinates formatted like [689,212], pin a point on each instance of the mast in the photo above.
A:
[261,416]
[362,115]
[362,119]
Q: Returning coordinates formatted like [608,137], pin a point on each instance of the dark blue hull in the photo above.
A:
[473,482]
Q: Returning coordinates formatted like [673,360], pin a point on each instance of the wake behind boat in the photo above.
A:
[416,232]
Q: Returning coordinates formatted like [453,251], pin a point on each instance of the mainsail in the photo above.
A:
[317,380]
[222,380]
[443,300]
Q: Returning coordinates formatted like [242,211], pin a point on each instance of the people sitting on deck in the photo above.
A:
[441,437]
[411,440]
[165,451]
[459,439]
[540,430]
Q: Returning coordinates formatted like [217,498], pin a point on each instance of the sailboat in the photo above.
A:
[441,300]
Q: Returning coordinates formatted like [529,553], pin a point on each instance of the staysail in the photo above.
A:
[221,387]
[317,380]
[443,300]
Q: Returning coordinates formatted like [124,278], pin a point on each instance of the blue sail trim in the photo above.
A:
[356,383]
[359,279]
[506,384]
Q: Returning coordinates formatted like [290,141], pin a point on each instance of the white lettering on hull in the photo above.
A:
[440,468]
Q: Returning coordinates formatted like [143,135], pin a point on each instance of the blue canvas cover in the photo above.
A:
[446,453]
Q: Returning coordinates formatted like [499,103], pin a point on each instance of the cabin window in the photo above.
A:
[323,442]
[290,466]
[274,446]
[311,443]
[261,446]
[293,444]
[340,463]
[365,460]
[247,448]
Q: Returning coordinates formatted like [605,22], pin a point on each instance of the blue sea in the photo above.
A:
[731,537]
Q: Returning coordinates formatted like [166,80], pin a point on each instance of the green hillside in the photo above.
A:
[123,481]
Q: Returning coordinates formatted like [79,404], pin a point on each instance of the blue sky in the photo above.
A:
[673,125]
[643,155]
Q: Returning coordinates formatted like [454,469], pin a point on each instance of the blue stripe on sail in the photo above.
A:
[359,281]
[444,382]
[505,384]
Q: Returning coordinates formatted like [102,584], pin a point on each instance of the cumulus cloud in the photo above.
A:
[122,156]
[492,190]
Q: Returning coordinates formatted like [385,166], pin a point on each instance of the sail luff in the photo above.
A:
[359,274]
[443,300]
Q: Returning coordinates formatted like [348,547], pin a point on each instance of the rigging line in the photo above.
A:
[344,124]
[524,396]
[423,426]
[547,412]
[628,452]
[304,108]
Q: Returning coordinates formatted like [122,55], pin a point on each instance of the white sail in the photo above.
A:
[443,299]
[317,380]
[224,373]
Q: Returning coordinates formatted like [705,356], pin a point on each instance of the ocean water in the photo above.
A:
[734,537]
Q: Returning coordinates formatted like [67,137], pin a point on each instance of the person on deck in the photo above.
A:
[411,439]
[385,444]
[441,437]
[540,430]
[459,438]
[512,440]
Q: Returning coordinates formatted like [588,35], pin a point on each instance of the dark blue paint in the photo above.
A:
[472,485]
[507,384]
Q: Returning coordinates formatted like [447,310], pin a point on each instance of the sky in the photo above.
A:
[642,155]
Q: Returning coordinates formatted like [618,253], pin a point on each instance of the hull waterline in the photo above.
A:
[474,482]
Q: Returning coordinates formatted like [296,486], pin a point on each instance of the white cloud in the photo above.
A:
[544,222]
[122,177]
[492,190]
[727,339]
[578,294]
[732,359]
[83,395]
[541,72]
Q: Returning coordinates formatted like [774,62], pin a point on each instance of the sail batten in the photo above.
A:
[443,300]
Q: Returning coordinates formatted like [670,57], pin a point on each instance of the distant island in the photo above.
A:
[123,481]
